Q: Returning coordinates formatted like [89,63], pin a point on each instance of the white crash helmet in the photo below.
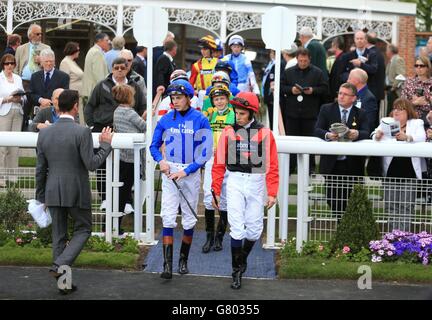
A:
[236,39]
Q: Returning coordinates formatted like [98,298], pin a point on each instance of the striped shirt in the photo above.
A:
[126,120]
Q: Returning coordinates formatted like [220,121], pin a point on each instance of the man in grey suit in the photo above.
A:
[64,157]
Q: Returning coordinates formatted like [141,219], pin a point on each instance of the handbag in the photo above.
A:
[41,217]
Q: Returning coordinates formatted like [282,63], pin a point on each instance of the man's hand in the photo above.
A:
[177,175]
[295,90]
[353,134]
[164,167]
[160,89]
[271,201]
[429,133]
[106,135]
[378,135]
[41,125]
[214,203]
[419,101]
[308,90]
[400,136]
[272,85]
[332,136]
[356,62]
[44,103]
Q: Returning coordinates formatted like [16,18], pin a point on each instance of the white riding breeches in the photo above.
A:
[171,197]
[245,204]
[208,197]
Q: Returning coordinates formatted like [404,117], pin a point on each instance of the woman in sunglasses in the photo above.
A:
[418,89]
[248,152]
[11,112]
[187,136]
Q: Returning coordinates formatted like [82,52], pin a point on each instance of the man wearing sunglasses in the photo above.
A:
[99,110]
[28,62]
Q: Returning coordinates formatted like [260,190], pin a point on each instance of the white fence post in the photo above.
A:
[284,196]
[108,198]
[137,193]
[300,202]
[115,187]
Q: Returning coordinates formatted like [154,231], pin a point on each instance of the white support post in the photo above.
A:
[223,25]
[300,202]
[9,19]
[115,187]
[305,196]
[108,198]
[137,193]
[271,228]
[150,164]
[119,29]
[284,197]
[319,25]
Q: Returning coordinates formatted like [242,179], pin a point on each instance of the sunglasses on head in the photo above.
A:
[119,68]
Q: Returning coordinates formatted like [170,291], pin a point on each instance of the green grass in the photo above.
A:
[313,268]
[29,162]
[43,257]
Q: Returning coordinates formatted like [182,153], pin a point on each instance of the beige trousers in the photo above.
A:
[10,122]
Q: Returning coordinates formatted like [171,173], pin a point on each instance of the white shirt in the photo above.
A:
[6,88]
[67,116]
[169,56]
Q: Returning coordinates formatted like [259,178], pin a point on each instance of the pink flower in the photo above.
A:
[389,253]
[346,249]
[320,247]
[19,240]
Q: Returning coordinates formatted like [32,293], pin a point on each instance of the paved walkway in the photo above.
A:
[35,283]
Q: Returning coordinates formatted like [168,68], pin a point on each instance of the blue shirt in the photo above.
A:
[188,139]
[242,65]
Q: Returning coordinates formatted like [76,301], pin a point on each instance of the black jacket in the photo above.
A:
[267,94]
[369,105]
[310,77]
[164,68]
[140,68]
[101,105]
[335,80]
[379,85]
[59,79]
[330,114]
[370,66]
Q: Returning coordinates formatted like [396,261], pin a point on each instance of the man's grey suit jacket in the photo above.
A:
[65,155]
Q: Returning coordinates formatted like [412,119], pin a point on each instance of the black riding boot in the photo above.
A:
[168,258]
[184,254]
[237,258]
[210,222]
[220,230]
[247,247]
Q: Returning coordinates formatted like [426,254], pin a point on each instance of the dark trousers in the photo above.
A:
[300,127]
[391,97]
[127,177]
[82,219]
[101,176]
[27,107]
[270,114]
[339,187]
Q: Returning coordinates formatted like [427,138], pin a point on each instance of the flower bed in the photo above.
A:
[405,246]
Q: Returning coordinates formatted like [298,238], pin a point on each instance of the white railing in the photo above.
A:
[133,141]
[303,147]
